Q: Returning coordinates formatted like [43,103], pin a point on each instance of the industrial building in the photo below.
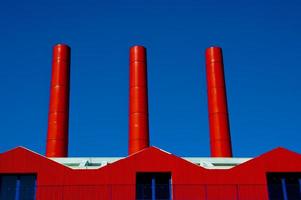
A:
[148,172]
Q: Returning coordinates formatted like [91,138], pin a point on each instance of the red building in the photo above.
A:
[147,172]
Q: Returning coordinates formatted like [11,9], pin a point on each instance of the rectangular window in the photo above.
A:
[17,187]
[153,186]
[284,186]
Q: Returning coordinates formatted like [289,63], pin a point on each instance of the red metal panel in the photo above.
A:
[221,192]
[117,180]
[57,135]
[138,102]
[220,140]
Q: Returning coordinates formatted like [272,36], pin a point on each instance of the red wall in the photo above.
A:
[117,180]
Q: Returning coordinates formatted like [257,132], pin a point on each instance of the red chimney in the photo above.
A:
[58,117]
[138,103]
[220,140]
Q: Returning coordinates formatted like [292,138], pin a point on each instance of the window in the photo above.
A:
[284,186]
[17,187]
[153,186]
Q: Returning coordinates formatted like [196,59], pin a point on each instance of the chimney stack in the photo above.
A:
[220,140]
[138,101]
[58,117]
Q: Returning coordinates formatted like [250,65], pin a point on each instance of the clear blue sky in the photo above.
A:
[261,41]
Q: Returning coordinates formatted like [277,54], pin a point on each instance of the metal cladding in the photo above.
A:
[58,117]
[138,101]
[220,140]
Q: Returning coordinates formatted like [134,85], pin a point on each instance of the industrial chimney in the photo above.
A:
[220,140]
[58,117]
[138,101]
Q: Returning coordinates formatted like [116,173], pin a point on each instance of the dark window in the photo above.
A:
[17,187]
[284,186]
[153,186]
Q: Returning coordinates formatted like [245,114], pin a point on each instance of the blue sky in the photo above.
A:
[261,41]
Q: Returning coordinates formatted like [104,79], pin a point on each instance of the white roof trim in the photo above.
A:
[216,163]
[86,162]
[98,162]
